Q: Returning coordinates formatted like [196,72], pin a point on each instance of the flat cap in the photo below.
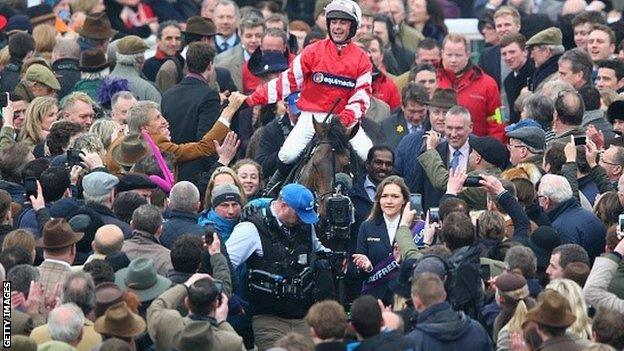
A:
[99,183]
[41,74]
[549,36]
[492,150]
[533,137]
[130,45]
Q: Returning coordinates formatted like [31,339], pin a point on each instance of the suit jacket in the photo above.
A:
[141,88]
[51,273]
[90,338]
[21,323]
[181,152]
[191,108]
[233,60]
[490,61]
[513,85]
[395,128]
[438,174]
[406,165]
[145,245]
[373,241]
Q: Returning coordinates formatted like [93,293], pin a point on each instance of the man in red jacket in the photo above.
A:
[333,75]
[476,91]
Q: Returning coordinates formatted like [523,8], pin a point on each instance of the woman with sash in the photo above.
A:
[376,254]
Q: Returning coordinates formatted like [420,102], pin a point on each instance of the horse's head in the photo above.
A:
[331,155]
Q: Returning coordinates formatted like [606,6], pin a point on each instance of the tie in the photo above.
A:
[225,46]
[455,159]
[286,230]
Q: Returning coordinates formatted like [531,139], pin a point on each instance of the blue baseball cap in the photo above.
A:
[291,101]
[529,122]
[301,200]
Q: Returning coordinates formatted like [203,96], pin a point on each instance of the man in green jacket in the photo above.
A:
[487,156]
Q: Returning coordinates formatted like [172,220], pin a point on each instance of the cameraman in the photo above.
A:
[280,247]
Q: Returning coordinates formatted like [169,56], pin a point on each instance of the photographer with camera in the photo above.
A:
[286,274]
[486,155]
[205,297]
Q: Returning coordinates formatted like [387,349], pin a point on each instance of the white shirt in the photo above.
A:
[370,188]
[392,225]
[463,158]
[245,241]
[219,40]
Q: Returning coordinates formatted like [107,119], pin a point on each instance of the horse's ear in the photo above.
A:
[318,127]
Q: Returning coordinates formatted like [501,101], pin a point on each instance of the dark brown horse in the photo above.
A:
[330,154]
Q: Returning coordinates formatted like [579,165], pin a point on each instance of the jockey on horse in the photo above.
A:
[334,76]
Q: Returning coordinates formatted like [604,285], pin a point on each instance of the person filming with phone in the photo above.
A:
[486,156]
[206,298]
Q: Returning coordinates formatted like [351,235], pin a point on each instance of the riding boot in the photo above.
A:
[275,182]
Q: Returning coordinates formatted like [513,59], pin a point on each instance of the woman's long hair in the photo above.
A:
[376,210]
[608,208]
[436,16]
[35,112]
[582,326]
[514,308]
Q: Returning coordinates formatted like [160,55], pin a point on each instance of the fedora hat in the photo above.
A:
[97,26]
[57,234]
[120,321]
[443,98]
[131,150]
[40,13]
[552,310]
[200,26]
[107,294]
[93,61]
[141,277]
[194,337]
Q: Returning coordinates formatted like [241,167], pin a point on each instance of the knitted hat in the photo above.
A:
[225,192]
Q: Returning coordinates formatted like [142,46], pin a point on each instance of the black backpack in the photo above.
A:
[463,284]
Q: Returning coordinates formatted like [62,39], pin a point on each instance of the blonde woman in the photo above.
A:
[40,115]
[45,38]
[250,175]
[582,327]
[512,295]
[107,130]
